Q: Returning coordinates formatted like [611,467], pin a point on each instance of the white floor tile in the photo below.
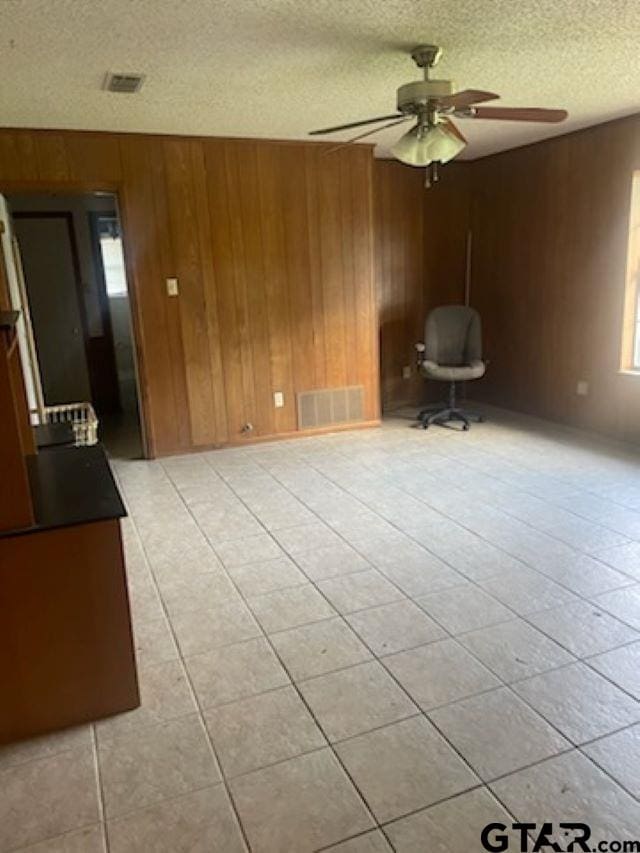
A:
[246,556]
[356,700]
[498,733]
[515,650]
[580,703]
[571,788]
[394,627]
[622,666]
[584,629]
[419,768]
[619,755]
[440,673]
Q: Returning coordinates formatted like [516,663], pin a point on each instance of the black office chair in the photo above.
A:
[451,352]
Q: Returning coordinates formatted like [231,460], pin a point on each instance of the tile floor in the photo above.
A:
[362,642]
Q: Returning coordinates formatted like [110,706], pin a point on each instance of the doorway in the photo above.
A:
[76,285]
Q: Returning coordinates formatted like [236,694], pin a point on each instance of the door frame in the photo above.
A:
[118,190]
[101,287]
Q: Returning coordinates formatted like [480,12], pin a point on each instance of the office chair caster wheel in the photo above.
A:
[465,427]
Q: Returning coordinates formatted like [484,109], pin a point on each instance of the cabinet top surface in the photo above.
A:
[71,485]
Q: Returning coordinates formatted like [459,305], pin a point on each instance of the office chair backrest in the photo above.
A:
[453,335]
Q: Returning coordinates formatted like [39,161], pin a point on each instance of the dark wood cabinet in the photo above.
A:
[66,646]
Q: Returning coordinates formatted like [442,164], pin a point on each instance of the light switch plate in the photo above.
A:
[278,399]
[172,287]
[582,388]
[406,371]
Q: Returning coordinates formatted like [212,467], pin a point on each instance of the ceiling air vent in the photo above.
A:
[126,84]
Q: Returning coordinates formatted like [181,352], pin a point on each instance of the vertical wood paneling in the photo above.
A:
[306,344]
[187,267]
[419,264]
[365,313]
[222,194]
[255,296]
[148,257]
[316,272]
[331,266]
[51,156]
[18,160]
[400,275]
[203,222]
[550,225]
[92,154]
[272,245]
[272,173]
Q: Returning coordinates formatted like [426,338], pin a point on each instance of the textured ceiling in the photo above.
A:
[278,68]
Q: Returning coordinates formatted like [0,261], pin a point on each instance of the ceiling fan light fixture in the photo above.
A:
[410,149]
[422,146]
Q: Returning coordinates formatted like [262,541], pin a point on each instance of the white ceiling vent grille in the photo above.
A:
[330,406]
[125,84]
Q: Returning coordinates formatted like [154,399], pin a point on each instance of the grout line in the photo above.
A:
[517,615]
[293,683]
[603,770]
[59,836]
[198,707]
[398,684]
[100,789]
[475,583]
[353,497]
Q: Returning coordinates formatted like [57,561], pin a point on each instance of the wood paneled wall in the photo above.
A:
[421,239]
[550,231]
[550,225]
[272,244]
[400,277]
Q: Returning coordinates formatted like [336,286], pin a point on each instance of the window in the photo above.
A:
[636,332]
[631,325]
[112,257]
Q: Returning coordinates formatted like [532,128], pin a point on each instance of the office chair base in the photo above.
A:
[442,413]
[441,416]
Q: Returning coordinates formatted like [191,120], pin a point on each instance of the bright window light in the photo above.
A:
[113,263]
[630,360]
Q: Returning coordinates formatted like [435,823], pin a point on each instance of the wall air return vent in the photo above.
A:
[330,406]
[125,84]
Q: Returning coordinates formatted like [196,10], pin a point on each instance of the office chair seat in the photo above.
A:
[452,373]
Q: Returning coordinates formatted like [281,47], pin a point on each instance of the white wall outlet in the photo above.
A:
[582,388]
[278,399]
[406,371]
[172,287]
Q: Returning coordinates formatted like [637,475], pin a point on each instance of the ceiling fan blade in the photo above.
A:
[456,132]
[467,98]
[520,114]
[354,124]
[367,133]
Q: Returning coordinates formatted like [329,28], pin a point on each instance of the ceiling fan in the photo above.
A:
[435,139]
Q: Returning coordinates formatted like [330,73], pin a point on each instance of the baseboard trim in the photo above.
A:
[279,436]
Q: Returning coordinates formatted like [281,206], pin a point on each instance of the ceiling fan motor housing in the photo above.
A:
[412,96]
